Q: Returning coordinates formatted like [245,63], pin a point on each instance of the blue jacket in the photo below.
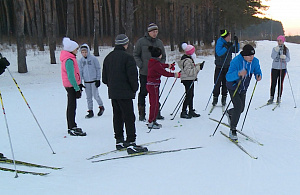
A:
[238,64]
[223,54]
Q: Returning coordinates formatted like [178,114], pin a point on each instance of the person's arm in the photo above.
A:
[220,48]
[257,70]
[132,73]
[104,73]
[71,74]
[137,54]
[163,52]
[275,52]
[98,68]
[233,72]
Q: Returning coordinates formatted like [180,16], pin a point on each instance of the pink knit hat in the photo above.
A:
[281,37]
[189,49]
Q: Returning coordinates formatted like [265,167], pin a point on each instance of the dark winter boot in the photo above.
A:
[142,113]
[215,101]
[101,110]
[154,125]
[185,115]
[132,148]
[278,100]
[90,115]
[233,135]
[120,145]
[159,116]
[270,101]
[192,113]
[223,100]
[75,131]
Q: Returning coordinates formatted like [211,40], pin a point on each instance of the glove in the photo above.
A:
[228,45]
[282,57]
[177,75]
[81,86]
[202,65]
[277,48]
[78,94]
[97,83]
[235,38]
[172,66]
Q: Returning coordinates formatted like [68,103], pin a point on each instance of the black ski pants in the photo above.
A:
[123,113]
[71,107]
[277,75]
[143,91]
[238,107]
[189,91]
[220,81]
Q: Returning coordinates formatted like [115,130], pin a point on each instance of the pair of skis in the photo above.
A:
[10,161]
[247,137]
[267,104]
[213,107]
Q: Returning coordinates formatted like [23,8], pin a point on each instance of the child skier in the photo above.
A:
[189,72]
[155,70]
[90,72]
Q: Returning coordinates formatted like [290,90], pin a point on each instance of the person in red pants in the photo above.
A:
[155,70]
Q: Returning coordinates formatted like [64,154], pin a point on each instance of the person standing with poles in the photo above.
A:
[72,83]
[241,69]
[142,56]
[223,56]
[155,70]
[189,72]
[280,55]
[121,77]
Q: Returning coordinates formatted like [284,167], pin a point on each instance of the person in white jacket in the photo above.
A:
[90,72]
[280,55]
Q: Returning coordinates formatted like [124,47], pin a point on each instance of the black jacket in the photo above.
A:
[120,74]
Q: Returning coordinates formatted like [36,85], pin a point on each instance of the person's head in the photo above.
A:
[153,30]
[225,34]
[122,40]
[188,49]
[156,52]
[280,40]
[84,50]
[70,46]
[248,53]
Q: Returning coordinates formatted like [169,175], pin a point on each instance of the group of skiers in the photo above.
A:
[121,76]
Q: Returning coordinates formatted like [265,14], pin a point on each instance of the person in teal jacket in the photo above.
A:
[240,71]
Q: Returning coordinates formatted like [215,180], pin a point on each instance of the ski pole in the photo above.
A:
[11,148]
[227,108]
[168,95]
[249,106]
[178,103]
[30,110]
[165,84]
[291,88]
[217,79]
[182,100]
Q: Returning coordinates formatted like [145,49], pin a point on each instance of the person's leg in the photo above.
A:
[96,95]
[238,107]
[217,85]
[89,95]
[71,107]
[126,107]
[118,122]
[141,97]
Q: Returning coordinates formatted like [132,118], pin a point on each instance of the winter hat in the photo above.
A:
[155,51]
[121,39]
[69,45]
[248,50]
[281,37]
[152,27]
[83,47]
[224,33]
[189,49]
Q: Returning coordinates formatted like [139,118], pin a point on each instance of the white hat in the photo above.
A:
[69,45]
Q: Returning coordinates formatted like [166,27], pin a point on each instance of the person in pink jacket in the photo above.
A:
[72,83]
[155,70]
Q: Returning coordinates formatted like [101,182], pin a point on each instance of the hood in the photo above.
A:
[88,48]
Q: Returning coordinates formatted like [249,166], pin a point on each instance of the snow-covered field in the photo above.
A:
[218,168]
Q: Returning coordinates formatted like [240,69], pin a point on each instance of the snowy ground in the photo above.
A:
[218,168]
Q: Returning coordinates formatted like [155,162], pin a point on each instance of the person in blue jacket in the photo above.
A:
[240,71]
[223,56]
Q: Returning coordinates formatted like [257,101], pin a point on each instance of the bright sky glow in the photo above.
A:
[286,11]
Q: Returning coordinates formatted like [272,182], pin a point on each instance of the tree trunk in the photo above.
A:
[171,25]
[19,6]
[129,24]
[117,19]
[50,26]
[70,20]
[96,27]
[88,24]
[123,14]
[111,21]
[101,21]
[39,25]
[8,22]
[28,23]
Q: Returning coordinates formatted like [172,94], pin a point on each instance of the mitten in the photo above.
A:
[97,83]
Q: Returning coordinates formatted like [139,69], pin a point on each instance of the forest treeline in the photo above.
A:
[97,22]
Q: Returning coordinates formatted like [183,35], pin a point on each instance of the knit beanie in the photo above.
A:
[121,39]
[281,37]
[152,27]
[155,51]
[69,45]
[224,33]
[188,49]
[248,50]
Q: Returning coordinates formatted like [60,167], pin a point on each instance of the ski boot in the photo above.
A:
[159,116]
[233,135]
[101,110]
[223,100]
[75,131]
[90,114]
[154,125]
[120,145]
[132,148]
[2,156]
[278,100]
[192,113]
[184,114]
[270,101]
[215,101]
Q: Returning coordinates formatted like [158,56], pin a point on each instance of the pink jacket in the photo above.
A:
[64,56]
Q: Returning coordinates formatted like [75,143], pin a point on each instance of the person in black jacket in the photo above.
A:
[121,77]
